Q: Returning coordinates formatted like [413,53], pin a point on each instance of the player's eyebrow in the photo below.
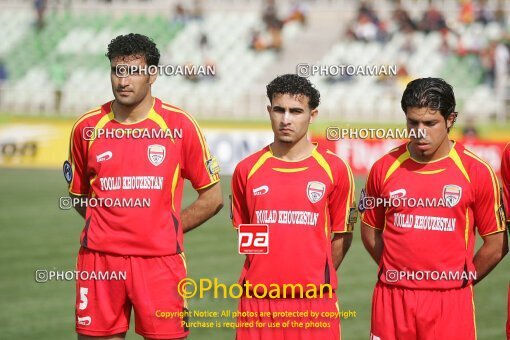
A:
[278,108]
[296,109]
[425,121]
[291,109]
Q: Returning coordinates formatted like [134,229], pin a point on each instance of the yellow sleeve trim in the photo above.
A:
[208,185]
[371,226]
[493,232]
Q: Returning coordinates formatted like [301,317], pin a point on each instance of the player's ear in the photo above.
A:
[451,120]
[152,78]
[268,109]
[313,115]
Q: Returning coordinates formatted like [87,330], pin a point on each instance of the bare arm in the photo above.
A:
[372,240]
[208,203]
[493,249]
[81,209]
[340,244]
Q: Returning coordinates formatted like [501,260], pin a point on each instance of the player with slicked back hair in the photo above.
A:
[425,252]
[305,195]
[145,242]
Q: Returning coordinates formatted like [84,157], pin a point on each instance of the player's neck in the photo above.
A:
[292,151]
[133,113]
[442,151]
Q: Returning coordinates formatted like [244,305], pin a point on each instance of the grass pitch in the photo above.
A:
[36,234]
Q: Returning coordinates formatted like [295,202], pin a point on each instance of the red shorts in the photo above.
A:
[149,286]
[325,324]
[399,313]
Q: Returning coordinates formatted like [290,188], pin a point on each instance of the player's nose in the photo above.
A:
[286,117]
[123,82]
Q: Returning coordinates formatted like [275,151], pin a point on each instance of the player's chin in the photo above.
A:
[285,139]
[125,100]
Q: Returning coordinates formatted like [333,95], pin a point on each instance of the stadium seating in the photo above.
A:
[68,54]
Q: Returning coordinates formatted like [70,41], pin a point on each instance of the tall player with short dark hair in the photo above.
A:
[427,264]
[145,242]
[305,194]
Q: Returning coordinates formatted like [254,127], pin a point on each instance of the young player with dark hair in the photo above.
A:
[305,194]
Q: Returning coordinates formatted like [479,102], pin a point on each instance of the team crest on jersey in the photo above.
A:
[315,191]
[156,154]
[452,194]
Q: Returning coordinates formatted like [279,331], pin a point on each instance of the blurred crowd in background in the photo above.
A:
[466,41]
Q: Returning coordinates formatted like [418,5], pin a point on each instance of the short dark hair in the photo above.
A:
[134,44]
[294,85]
[434,93]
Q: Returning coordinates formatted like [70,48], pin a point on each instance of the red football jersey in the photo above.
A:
[505,175]
[431,245]
[148,170]
[303,202]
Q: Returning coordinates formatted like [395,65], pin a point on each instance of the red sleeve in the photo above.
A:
[199,167]
[487,210]
[341,201]
[372,215]
[505,174]
[239,208]
[78,153]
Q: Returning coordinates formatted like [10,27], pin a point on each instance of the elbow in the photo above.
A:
[505,249]
[366,240]
[219,206]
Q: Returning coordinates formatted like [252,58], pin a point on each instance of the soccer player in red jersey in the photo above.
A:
[305,194]
[505,175]
[143,240]
[435,195]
